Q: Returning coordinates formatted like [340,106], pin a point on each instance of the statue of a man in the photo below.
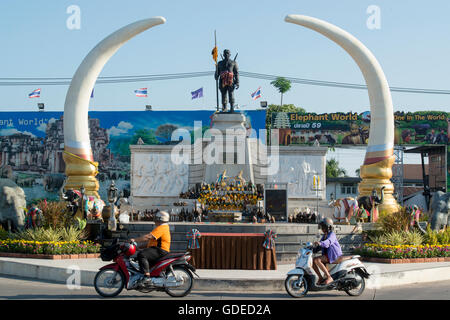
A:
[228,75]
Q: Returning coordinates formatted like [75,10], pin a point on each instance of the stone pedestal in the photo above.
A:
[228,148]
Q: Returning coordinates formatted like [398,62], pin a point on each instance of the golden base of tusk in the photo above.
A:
[80,173]
[378,175]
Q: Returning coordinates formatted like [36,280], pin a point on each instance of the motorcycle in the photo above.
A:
[348,274]
[171,273]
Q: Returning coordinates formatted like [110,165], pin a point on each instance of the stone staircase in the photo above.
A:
[290,236]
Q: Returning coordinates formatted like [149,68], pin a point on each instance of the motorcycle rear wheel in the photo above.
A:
[354,292]
[186,287]
[107,279]
[294,288]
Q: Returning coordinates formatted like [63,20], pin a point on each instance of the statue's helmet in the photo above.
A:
[226,53]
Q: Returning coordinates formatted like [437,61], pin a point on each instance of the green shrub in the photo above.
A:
[380,239]
[397,221]
[444,236]
[81,223]
[414,238]
[72,233]
[40,234]
[55,213]
[430,236]
[395,238]
[3,234]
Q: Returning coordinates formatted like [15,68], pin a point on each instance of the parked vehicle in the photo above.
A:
[172,273]
[348,275]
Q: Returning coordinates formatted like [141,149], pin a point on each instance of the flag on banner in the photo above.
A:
[35,94]
[142,92]
[197,93]
[92,93]
[257,94]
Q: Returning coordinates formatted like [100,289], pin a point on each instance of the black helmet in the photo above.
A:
[327,223]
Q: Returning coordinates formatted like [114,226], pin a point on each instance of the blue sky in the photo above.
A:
[411,45]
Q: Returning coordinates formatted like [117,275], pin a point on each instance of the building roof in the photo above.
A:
[407,191]
[427,149]
[345,180]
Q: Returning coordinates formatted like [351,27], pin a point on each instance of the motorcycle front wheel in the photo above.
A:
[296,286]
[185,280]
[109,283]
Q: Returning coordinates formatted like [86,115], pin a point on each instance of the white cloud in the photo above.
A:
[11,131]
[43,126]
[121,128]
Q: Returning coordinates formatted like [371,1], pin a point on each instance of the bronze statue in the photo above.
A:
[228,75]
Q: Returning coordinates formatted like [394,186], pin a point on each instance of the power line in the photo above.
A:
[51,81]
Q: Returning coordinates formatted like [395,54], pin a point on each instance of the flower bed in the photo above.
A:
[49,249]
[383,253]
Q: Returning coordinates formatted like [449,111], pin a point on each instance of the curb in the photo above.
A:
[377,281]
[50,256]
[411,260]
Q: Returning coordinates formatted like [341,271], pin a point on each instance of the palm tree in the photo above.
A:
[333,169]
[283,85]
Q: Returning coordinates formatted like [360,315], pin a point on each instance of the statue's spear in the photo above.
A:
[214,54]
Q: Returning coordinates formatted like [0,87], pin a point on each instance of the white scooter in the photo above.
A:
[348,275]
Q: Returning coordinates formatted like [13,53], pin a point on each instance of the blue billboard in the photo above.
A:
[32,143]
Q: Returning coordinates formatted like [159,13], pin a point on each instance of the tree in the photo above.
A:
[277,108]
[165,131]
[148,136]
[283,85]
[333,169]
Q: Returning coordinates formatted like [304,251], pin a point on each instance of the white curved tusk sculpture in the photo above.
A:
[377,168]
[80,166]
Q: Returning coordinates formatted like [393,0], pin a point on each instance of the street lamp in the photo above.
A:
[263,104]
[148,107]
[40,106]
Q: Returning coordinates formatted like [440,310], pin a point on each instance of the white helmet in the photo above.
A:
[162,216]
[327,223]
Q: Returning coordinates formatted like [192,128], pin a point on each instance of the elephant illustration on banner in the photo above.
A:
[344,208]
[53,181]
